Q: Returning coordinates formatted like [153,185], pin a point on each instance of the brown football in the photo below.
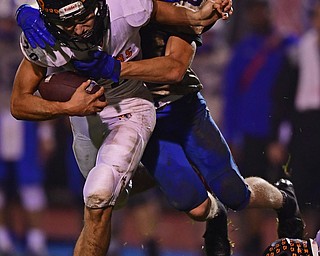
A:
[61,86]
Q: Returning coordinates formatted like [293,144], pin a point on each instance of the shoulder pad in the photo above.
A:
[48,57]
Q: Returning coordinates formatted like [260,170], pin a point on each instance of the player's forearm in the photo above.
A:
[30,107]
[25,105]
[169,68]
[156,70]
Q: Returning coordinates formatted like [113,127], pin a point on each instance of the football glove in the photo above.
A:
[101,65]
[33,26]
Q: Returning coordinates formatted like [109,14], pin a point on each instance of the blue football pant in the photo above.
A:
[187,155]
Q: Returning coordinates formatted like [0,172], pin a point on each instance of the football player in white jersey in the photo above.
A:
[109,137]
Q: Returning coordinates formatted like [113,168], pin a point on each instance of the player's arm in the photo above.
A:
[165,69]
[25,105]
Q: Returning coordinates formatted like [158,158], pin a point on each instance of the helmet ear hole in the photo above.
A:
[58,13]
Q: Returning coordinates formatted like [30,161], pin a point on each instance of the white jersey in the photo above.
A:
[126,19]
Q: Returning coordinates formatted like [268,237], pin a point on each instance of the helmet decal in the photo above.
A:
[69,10]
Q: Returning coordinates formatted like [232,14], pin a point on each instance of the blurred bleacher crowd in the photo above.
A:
[254,68]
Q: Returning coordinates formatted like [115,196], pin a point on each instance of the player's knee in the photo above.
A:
[200,212]
[240,200]
[97,199]
[98,190]
[99,217]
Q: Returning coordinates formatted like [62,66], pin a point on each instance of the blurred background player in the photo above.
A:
[21,174]
[24,147]
[297,104]
[250,77]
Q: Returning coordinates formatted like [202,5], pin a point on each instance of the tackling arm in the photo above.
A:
[165,69]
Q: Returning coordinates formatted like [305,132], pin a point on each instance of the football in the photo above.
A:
[61,86]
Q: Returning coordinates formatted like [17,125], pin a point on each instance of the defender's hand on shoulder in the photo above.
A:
[33,26]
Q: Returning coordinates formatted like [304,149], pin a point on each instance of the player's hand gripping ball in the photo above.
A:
[61,86]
